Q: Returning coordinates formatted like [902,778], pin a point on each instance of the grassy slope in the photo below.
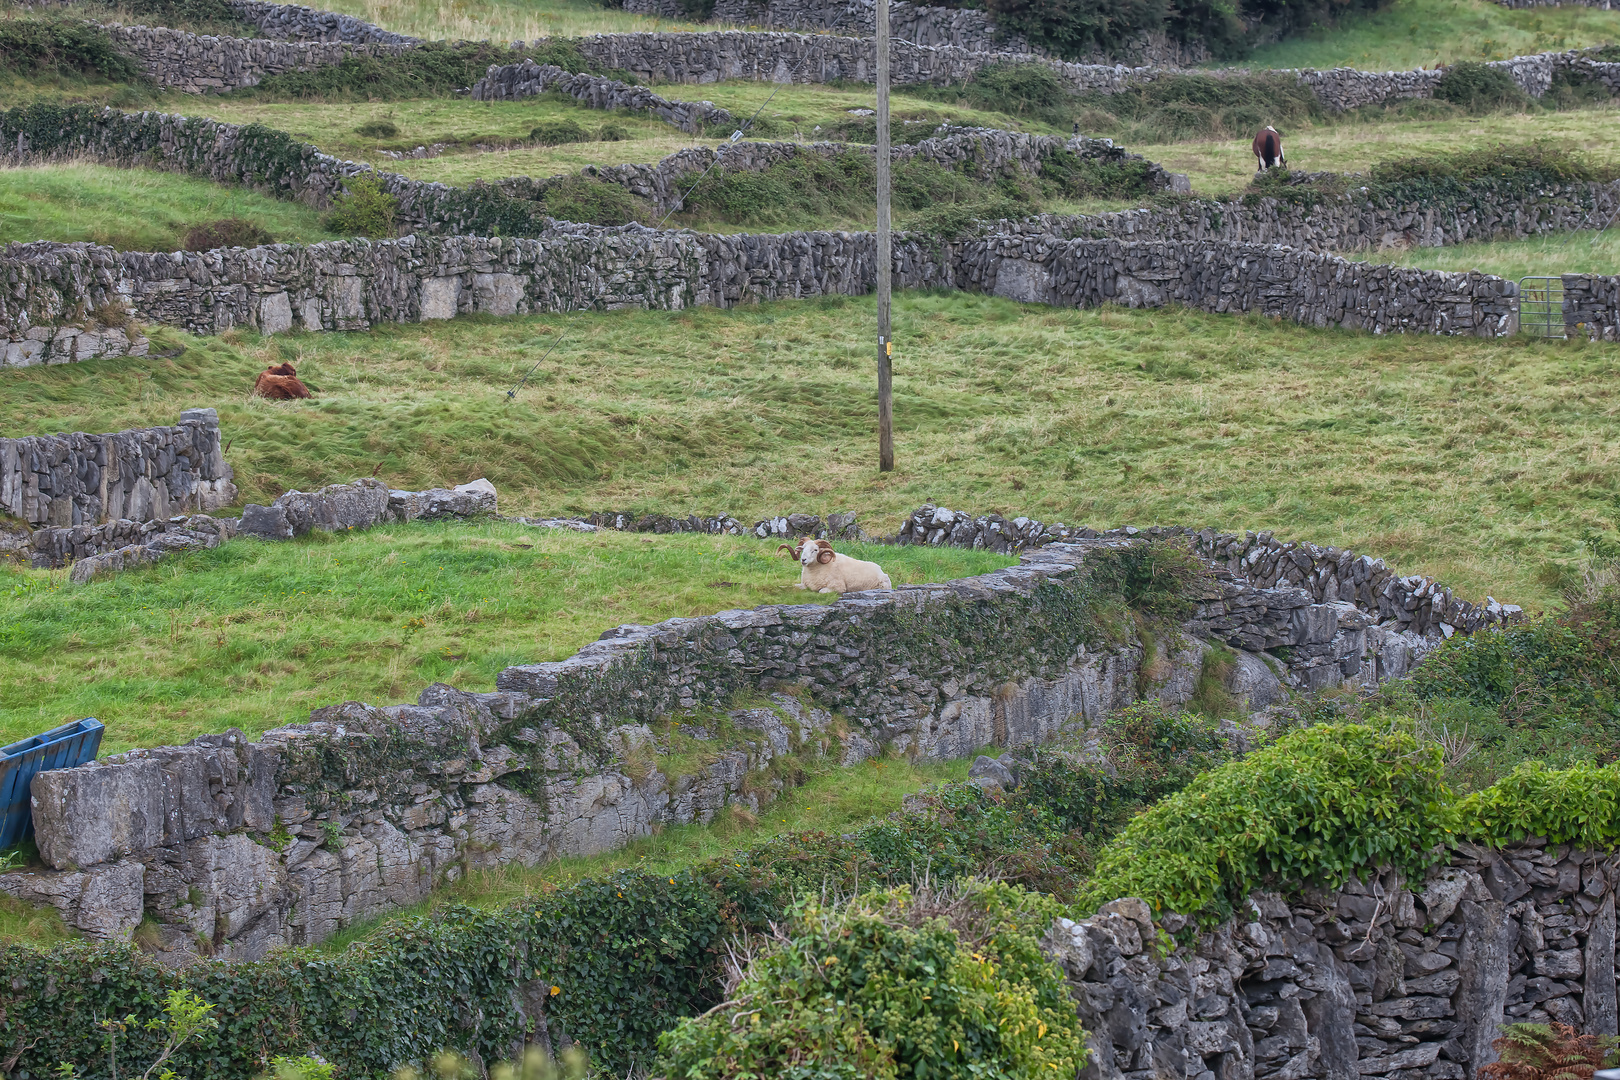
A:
[1353,146]
[1482,461]
[1411,34]
[135,209]
[1563,253]
[253,635]
[499,20]
[796,111]
[332,127]
[833,801]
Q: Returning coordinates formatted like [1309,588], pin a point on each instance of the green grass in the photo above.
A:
[1559,253]
[135,209]
[1410,34]
[22,921]
[253,635]
[500,20]
[1355,144]
[1488,463]
[833,800]
[463,123]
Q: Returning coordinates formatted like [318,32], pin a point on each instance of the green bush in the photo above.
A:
[198,16]
[225,233]
[1578,806]
[432,69]
[378,129]
[364,208]
[1074,177]
[1151,752]
[596,202]
[613,133]
[896,984]
[1156,580]
[1478,88]
[1318,805]
[1075,28]
[557,132]
[1537,672]
[1523,164]
[63,46]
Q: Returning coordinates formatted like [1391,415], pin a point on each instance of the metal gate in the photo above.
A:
[1541,307]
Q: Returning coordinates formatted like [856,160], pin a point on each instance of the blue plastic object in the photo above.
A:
[59,748]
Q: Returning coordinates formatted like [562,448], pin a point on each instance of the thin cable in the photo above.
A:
[512,393]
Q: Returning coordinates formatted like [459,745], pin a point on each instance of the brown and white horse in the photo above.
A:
[1268,150]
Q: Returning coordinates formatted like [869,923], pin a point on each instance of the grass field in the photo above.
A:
[833,800]
[1561,253]
[1489,463]
[1410,34]
[253,635]
[135,209]
[500,20]
[1353,146]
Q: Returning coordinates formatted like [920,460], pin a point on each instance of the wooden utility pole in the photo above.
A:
[885,258]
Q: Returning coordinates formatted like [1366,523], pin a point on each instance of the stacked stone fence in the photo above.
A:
[294,22]
[230,153]
[513,82]
[541,767]
[77,480]
[983,153]
[356,284]
[1591,307]
[204,63]
[251,155]
[198,63]
[1359,220]
[1382,977]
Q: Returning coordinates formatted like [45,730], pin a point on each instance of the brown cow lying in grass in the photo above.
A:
[280,383]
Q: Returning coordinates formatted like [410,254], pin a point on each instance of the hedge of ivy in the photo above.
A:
[629,954]
[921,983]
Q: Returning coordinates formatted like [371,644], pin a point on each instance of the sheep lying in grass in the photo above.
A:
[821,569]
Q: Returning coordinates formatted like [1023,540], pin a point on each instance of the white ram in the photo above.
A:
[821,569]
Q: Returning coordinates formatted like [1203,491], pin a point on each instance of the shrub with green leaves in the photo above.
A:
[596,202]
[1151,752]
[364,208]
[1579,806]
[432,69]
[1318,805]
[924,983]
[1478,87]
[557,132]
[1552,669]
[63,46]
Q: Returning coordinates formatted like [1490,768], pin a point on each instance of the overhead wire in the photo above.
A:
[735,137]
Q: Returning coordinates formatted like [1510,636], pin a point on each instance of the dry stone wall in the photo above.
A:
[1381,978]
[985,153]
[1348,222]
[376,805]
[1322,616]
[294,22]
[350,285]
[248,845]
[204,63]
[79,480]
[512,82]
[1592,307]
